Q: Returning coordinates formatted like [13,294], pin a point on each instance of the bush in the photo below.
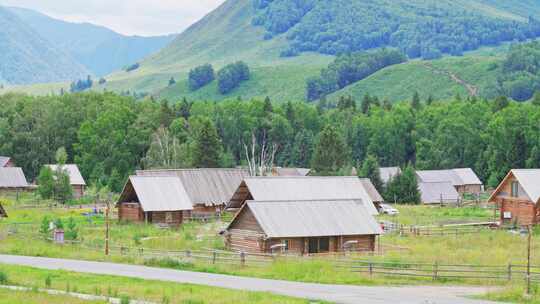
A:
[132,67]
[124,300]
[3,278]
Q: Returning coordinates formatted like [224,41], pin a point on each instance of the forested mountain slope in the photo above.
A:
[28,58]
[287,42]
[99,49]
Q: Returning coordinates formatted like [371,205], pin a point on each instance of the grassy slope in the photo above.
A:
[399,82]
[19,297]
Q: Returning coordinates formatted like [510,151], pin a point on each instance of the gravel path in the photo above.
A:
[334,293]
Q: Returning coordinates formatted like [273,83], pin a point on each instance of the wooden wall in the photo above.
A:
[471,189]
[130,212]
[78,191]
[170,218]
[524,213]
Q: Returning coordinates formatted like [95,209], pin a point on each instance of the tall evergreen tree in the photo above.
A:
[416,103]
[302,149]
[331,152]
[207,147]
[536,98]
[371,169]
[366,104]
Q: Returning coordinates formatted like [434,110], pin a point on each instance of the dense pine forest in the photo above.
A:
[109,136]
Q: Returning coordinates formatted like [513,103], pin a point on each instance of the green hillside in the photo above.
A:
[235,31]
[28,58]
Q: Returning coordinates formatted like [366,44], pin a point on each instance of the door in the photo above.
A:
[313,245]
[319,245]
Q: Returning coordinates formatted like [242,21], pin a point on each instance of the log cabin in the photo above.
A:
[463,179]
[154,199]
[302,227]
[12,179]
[517,197]
[78,185]
[208,189]
[301,189]
[6,162]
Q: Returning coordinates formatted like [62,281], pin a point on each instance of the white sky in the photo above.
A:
[131,17]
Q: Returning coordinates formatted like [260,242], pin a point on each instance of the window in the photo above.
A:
[324,244]
[515,189]
[168,217]
[285,245]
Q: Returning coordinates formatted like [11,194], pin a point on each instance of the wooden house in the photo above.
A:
[438,193]
[301,189]
[208,189]
[518,197]
[12,179]
[75,178]
[6,162]
[464,180]
[154,199]
[302,227]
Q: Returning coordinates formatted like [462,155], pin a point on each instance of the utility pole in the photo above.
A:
[529,236]
[107,215]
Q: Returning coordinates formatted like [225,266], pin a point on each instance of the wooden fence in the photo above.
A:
[438,271]
[447,230]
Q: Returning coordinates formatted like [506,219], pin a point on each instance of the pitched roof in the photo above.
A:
[529,179]
[75,177]
[432,192]
[303,188]
[158,193]
[388,172]
[458,177]
[4,160]
[205,186]
[12,177]
[291,171]
[313,218]
[371,190]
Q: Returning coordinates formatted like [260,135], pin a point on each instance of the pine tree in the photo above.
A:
[330,152]
[409,186]
[207,147]
[536,98]
[416,103]
[370,169]
[268,109]
[366,104]
[302,149]
[429,100]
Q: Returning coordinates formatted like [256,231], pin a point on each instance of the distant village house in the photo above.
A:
[302,227]
[76,180]
[518,196]
[154,199]
[447,186]
[12,179]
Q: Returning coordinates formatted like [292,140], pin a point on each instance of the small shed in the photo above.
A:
[75,178]
[154,199]
[301,189]
[518,197]
[208,189]
[6,161]
[387,173]
[12,179]
[463,179]
[302,227]
[438,193]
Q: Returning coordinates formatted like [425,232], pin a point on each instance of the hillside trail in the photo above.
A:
[473,90]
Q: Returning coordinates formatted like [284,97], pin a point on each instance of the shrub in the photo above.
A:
[200,76]
[48,281]
[124,299]
[133,67]
[231,76]
[3,278]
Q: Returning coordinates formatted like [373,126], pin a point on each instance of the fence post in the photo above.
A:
[188,253]
[435,271]
[509,272]
[214,257]
[370,269]
[242,258]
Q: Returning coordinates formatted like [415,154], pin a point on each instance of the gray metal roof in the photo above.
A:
[388,172]
[371,190]
[313,218]
[529,179]
[307,188]
[12,177]
[158,193]
[75,176]
[207,187]
[433,192]
[4,160]
[458,177]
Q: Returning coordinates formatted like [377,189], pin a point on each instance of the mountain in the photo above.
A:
[28,58]
[99,49]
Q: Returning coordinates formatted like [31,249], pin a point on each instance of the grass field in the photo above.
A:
[20,297]
[118,287]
